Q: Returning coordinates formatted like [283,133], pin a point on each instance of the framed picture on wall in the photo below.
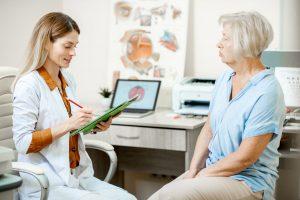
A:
[147,40]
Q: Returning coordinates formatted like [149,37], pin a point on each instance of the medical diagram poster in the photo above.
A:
[147,40]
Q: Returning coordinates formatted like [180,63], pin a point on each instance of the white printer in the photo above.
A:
[192,96]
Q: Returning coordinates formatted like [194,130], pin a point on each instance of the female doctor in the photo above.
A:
[43,117]
[236,153]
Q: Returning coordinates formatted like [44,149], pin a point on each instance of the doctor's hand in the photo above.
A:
[102,126]
[80,118]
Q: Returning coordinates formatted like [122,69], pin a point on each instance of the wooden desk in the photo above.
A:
[157,143]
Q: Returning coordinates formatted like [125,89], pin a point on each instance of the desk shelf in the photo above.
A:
[286,153]
[292,128]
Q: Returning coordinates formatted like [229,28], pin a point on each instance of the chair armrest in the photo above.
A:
[103,146]
[109,150]
[36,172]
[22,166]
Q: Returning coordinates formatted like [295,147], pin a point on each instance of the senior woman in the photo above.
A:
[236,154]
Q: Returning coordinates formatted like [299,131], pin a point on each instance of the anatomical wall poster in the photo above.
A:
[147,40]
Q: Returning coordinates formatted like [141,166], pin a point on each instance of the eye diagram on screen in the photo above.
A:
[137,90]
[147,90]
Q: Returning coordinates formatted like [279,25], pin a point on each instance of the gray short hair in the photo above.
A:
[251,32]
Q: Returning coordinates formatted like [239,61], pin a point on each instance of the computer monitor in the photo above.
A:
[146,89]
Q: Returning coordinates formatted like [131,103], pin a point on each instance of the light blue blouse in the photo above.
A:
[256,110]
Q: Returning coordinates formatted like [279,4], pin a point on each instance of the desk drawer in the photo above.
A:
[168,139]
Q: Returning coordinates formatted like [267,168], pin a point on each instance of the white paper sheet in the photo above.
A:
[289,79]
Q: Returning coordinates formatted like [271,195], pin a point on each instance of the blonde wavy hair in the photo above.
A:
[50,27]
[251,33]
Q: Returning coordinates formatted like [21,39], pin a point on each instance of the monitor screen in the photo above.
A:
[146,89]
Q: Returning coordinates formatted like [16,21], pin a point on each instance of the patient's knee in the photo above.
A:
[167,195]
[168,192]
[181,191]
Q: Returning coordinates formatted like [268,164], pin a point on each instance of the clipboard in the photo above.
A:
[110,113]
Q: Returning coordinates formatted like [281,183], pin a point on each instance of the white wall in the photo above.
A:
[90,64]
[204,31]
[17,19]
[290,25]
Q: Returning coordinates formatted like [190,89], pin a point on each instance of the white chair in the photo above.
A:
[7,75]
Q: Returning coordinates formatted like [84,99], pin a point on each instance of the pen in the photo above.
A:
[76,104]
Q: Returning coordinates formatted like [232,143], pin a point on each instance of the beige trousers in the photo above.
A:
[206,188]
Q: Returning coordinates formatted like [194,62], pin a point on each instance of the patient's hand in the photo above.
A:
[191,174]
[201,173]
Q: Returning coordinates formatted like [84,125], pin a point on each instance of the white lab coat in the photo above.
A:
[36,107]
